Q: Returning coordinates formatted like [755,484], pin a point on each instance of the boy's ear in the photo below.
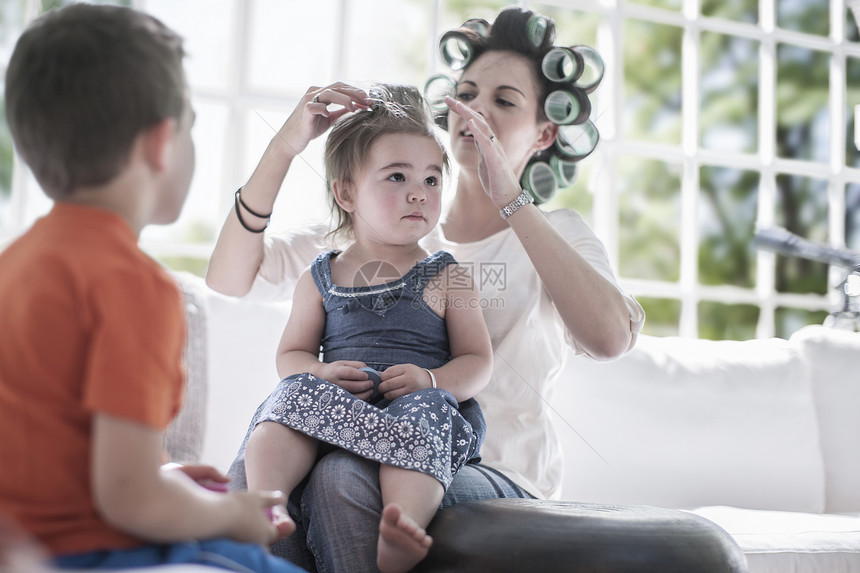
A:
[343,196]
[156,142]
[546,135]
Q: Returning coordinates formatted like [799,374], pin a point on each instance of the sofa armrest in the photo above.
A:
[183,440]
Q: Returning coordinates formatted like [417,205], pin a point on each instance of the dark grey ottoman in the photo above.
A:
[518,535]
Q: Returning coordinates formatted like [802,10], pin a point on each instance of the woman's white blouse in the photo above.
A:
[529,339]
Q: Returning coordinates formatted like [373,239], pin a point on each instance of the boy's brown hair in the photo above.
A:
[82,83]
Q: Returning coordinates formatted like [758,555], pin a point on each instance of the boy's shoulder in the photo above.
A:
[73,248]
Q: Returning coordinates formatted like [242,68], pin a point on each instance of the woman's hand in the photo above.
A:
[346,374]
[497,177]
[402,379]
[312,116]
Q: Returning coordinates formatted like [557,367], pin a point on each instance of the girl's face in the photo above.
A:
[502,87]
[396,198]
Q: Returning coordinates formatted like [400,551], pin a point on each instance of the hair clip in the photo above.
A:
[539,180]
[577,140]
[455,49]
[435,90]
[562,65]
[564,107]
[565,170]
[478,25]
[592,68]
[536,28]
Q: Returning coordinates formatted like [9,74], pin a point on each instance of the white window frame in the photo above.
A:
[240,101]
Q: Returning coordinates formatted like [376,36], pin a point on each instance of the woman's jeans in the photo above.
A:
[337,511]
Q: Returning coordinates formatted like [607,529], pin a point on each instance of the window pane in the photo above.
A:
[803,129]
[302,200]
[718,321]
[801,209]
[201,216]
[6,161]
[667,4]
[729,93]
[455,12]
[652,77]
[192,265]
[572,26]
[851,32]
[580,195]
[809,16]
[740,10]
[663,316]
[293,44]
[209,47]
[852,216]
[790,320]
[727,215]
[11,25]
[385,44]
[649,198]
[852,96]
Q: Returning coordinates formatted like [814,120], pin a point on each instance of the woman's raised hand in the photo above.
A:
[497,177]
[312,116]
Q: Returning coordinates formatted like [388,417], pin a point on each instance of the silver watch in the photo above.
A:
[522,200]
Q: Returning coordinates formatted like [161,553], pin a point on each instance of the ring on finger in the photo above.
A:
[316,98]
[493,138]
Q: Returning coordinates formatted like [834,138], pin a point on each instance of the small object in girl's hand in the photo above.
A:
[372,375]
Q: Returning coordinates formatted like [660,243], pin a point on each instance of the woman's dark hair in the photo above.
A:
[83,82]
[564,77]
[510,32]
[394,109]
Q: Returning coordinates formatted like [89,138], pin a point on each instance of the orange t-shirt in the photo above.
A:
[88,323]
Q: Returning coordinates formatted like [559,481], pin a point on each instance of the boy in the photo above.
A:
[92,329]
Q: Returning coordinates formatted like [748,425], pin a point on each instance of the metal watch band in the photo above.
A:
[522,200]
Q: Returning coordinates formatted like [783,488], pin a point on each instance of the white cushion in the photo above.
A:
[243,340]
[834,356]
[778,541]
[685,423]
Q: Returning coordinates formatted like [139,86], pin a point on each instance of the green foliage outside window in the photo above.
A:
[727,214]
[719,321]
[662,316]
[739,10]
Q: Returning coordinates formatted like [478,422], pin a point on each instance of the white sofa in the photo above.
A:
[761,436]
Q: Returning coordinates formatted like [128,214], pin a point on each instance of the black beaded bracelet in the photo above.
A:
[238,201]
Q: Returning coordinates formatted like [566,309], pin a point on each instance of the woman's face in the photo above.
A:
[502,87]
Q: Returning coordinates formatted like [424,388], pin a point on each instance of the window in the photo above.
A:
[717,117]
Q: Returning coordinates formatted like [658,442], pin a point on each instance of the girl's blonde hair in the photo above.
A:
[394,109]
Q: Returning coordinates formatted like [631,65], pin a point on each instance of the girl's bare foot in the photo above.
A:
[282,521]
[402,543]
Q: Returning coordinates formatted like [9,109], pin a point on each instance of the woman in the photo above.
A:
[543,278]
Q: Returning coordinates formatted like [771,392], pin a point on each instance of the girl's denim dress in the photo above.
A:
[382,325]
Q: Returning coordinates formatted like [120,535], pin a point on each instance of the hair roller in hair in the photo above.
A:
[562,65]
[563,107]
[478,25]
[455,49]
[577,140]
[435,90]
[592,68]
[565,170]
[539,180]
[536,28]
